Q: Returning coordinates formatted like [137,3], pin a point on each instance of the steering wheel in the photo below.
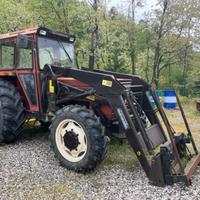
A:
[48,70]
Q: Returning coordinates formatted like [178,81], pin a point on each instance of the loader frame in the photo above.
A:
[143,141]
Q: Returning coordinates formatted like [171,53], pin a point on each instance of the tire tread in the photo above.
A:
[95,132]
[12,114]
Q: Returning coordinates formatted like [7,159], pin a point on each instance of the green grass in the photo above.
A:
[56,192]
[120,153]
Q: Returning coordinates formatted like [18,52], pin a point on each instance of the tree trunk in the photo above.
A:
[133,63]
[156,65]
[157,54]
[147,64]
[94,37]
[185,60]
[131,36]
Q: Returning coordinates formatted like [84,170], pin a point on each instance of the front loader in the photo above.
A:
[84,107]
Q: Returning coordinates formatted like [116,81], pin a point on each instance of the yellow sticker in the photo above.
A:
[91,97]
[107,83]
[51,87]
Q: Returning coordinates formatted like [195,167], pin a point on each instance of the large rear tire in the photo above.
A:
[78,139]
[12,112]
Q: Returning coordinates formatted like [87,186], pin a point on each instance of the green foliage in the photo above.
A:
[119,35]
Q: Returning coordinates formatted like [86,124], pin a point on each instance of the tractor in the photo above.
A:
[40,79]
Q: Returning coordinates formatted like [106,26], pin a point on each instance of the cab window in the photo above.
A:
[25,58]
[55,52]
[6,56]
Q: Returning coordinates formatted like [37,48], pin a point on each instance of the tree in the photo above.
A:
[94,35]
[14,15]
[160,34]
[169,26]
[132,31]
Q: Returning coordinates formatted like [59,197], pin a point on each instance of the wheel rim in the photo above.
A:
[71,140]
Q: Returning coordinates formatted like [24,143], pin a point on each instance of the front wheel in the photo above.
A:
[77,138]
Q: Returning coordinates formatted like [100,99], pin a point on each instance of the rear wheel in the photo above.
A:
[78,139]
[12,112]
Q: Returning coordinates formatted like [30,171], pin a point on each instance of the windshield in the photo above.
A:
[56,53]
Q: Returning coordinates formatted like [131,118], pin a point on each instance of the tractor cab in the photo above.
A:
[23,55]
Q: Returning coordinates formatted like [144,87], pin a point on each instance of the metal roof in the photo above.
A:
[16,33]
[37,30]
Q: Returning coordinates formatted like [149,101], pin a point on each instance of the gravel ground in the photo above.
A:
[28,170]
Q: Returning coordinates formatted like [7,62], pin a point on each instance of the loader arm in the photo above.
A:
[163,166]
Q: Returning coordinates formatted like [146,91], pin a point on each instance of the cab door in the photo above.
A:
[26,74]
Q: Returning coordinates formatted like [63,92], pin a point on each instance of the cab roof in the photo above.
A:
[42,31]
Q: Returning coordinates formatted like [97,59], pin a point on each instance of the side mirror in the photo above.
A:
[22,41]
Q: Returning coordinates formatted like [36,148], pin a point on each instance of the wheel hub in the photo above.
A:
[71,140]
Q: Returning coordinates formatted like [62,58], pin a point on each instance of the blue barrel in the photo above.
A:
[169,99]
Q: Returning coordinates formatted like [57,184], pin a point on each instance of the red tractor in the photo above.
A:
[40,78]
